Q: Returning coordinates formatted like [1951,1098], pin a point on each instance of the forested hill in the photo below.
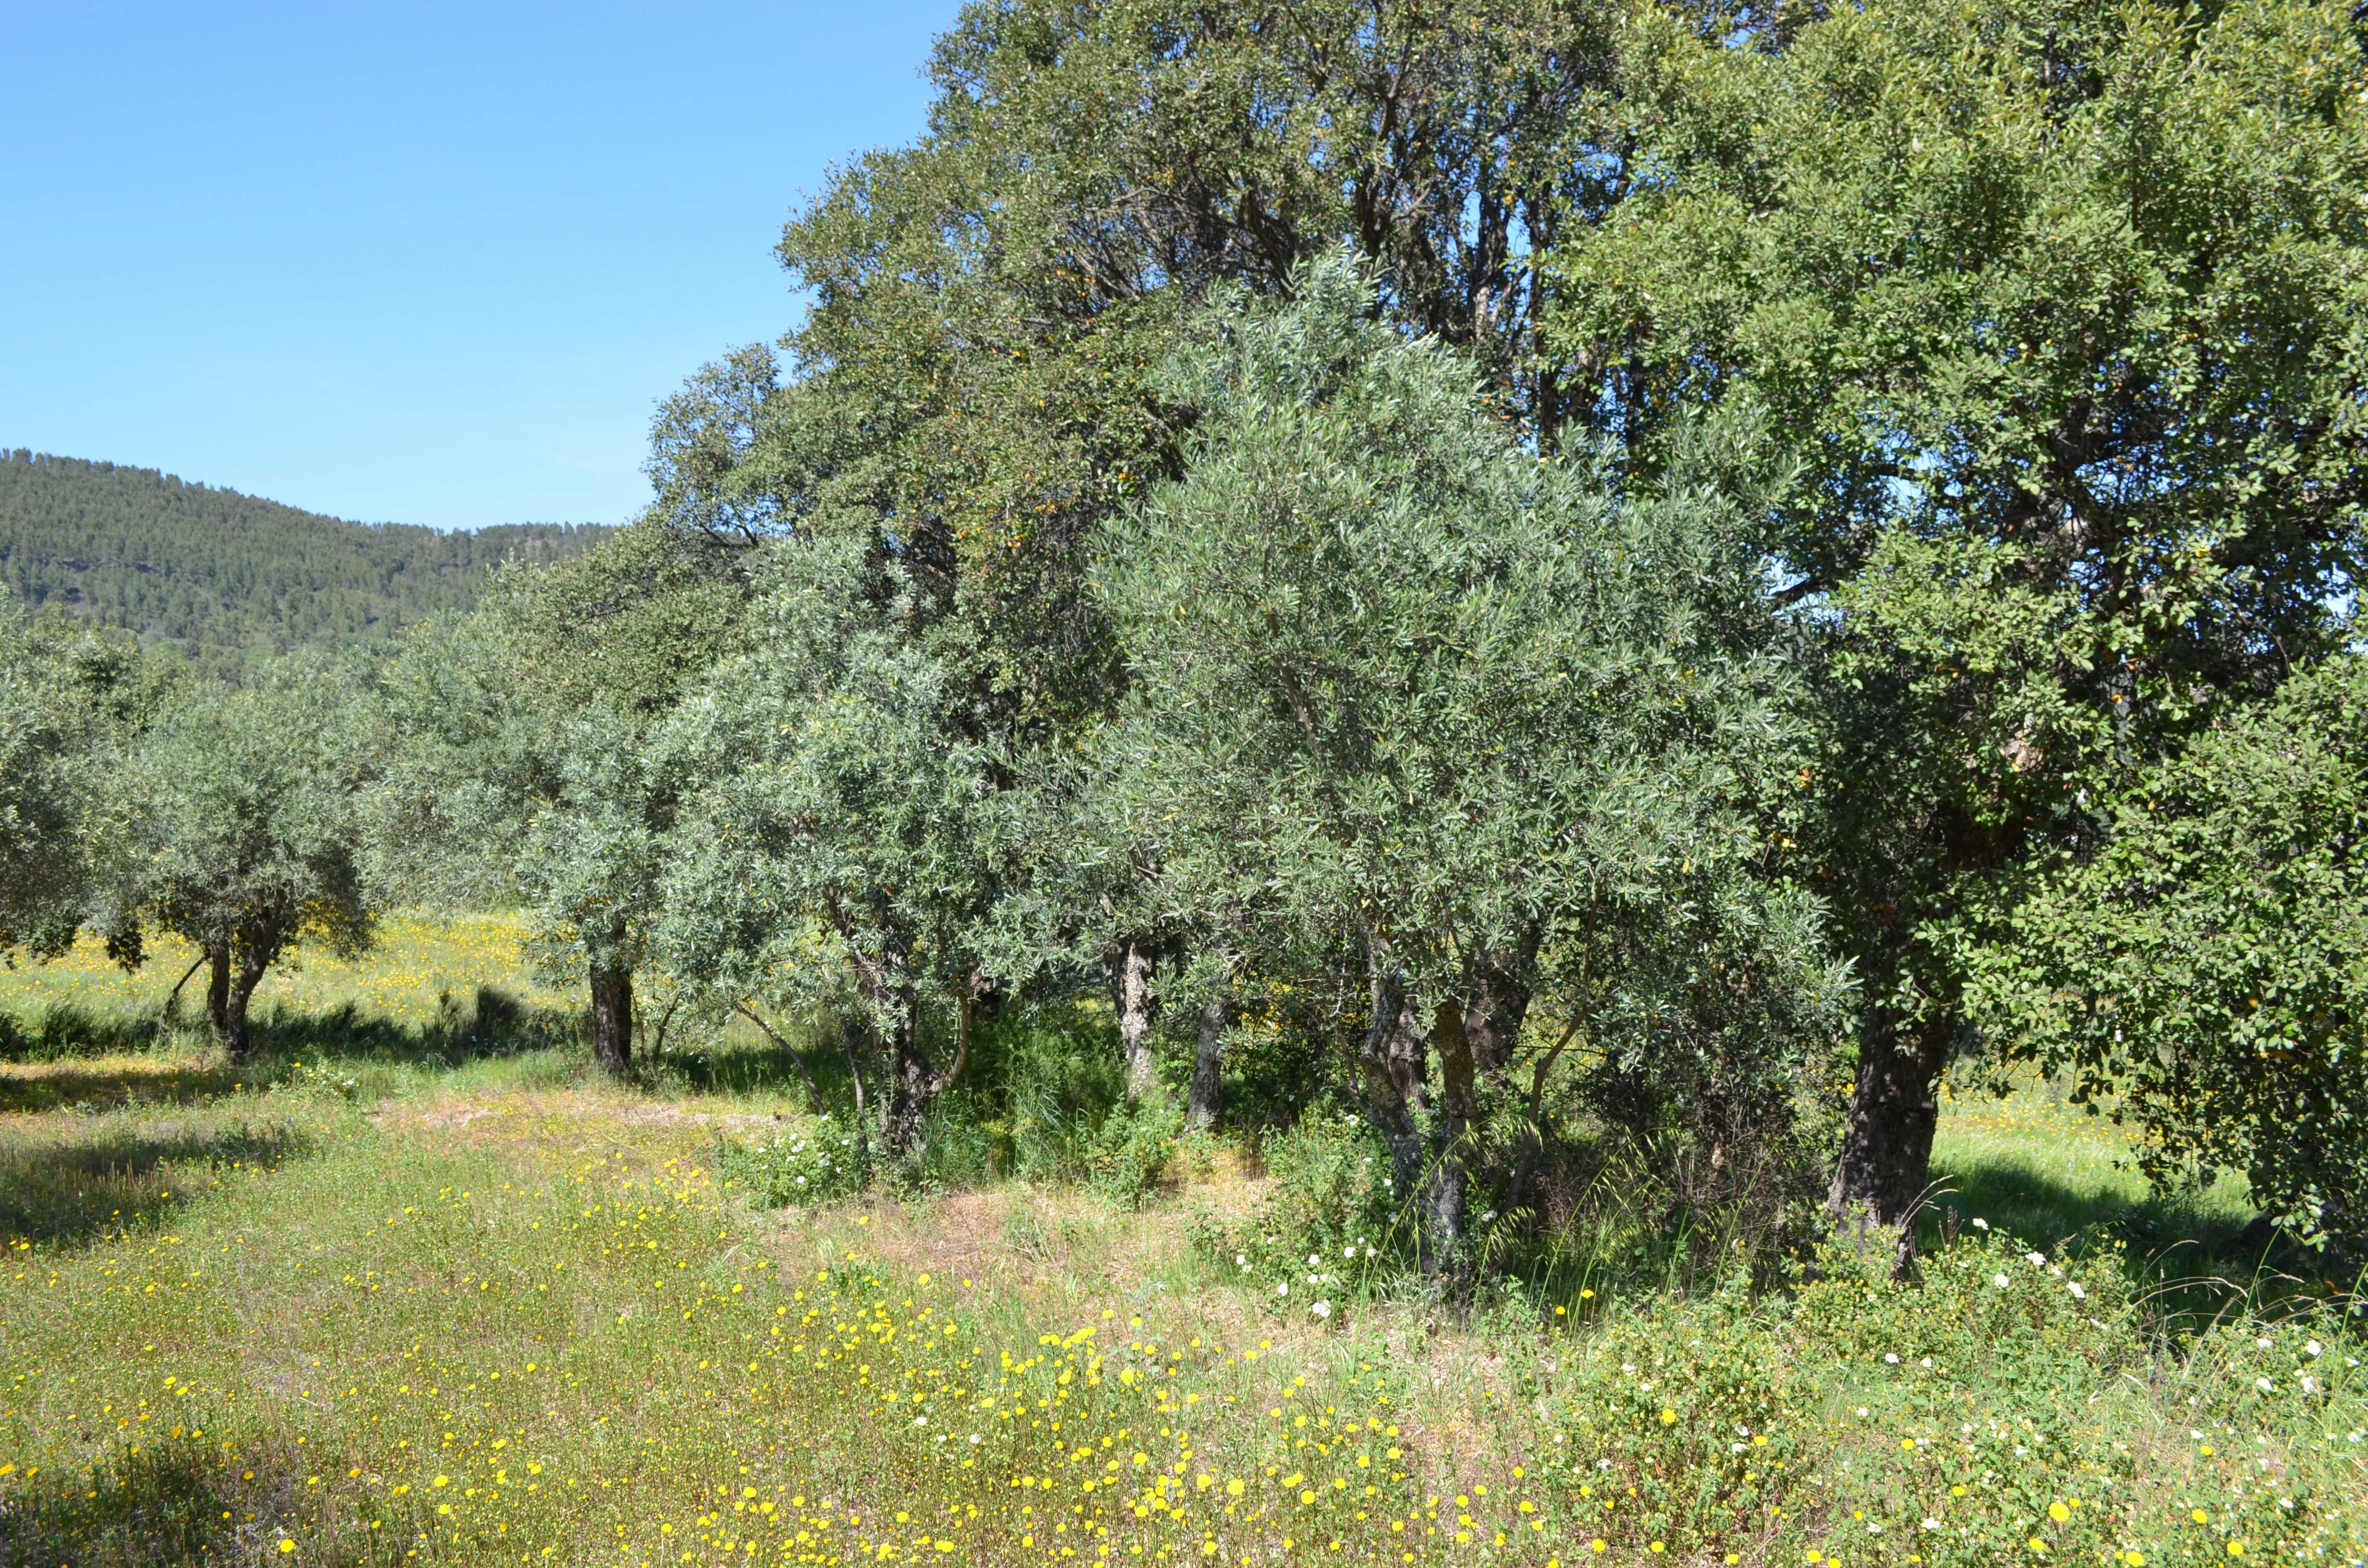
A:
[219,576]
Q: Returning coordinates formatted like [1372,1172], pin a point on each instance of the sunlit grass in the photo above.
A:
[420,958]
[394,1309]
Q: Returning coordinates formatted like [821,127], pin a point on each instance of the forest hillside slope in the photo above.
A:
[219,576]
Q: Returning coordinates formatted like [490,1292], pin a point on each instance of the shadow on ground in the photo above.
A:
[66,1190]
[2191,1258]
[491,1023]
[169,1504]
[111,1085]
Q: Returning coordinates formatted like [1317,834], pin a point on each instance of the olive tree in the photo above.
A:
[68,697]
[850,830]
[247,835]
[524,766]
[1461,735]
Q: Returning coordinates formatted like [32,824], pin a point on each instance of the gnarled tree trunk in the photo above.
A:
[236,963]
[218,987]
[1138,1005]
[1886,1156]
[612,1017]
[913,1081]
[1204,1104]
[1426,1167]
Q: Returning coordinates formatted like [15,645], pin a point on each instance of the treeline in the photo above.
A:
[1568,578]
[220,578]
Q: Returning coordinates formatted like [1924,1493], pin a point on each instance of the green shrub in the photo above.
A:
[1328,1231]
[813,1166]
[1130,1150]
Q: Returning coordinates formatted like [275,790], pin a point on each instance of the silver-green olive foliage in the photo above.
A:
[525,767]
[847,834]
[248,835]
[68,697]
[1434,715]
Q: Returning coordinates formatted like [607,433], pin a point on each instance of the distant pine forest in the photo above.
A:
[221,578]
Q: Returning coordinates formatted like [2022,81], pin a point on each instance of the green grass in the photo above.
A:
[393,1307]
[2040,1167]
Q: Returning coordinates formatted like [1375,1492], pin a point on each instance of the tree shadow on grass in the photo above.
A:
[111,1085]
[2191,1258]
[490,1024]
[66,1192]
[173,1502]
[2017,1198]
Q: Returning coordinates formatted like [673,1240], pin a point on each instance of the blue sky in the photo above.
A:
[419,263]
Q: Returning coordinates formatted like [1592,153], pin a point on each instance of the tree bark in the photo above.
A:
[1458,1114]
[913,1081]
[855,1075]
[1499,1003]
[240,961]
[1137,1004]
[218,987]
[1204,1102]
[1886,1155]
[1426,1172]
[612,1019]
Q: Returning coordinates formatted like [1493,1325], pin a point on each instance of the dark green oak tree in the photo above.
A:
[2205,973]
[2060,309]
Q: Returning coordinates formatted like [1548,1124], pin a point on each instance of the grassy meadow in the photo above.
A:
[415,1288]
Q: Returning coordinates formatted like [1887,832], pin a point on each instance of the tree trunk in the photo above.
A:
[1204,1102]
[218,987]
[913,1082]
[612,1019]
[236,1037]
[1137,1002]
[1428,1174]
[1459,1115]
[1499,1003]
[240,962]
[847,1041]
[1886,1156]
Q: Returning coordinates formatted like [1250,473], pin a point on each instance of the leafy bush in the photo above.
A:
[2007,1407]
[812,1166]
[1130,1150]
[1327,1230]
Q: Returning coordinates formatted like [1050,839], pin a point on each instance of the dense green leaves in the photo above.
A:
[2059,308]
[1444,730]
[2205,974]
[248,828]
[67,697]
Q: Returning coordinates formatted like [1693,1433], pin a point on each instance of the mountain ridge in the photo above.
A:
[221,577]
